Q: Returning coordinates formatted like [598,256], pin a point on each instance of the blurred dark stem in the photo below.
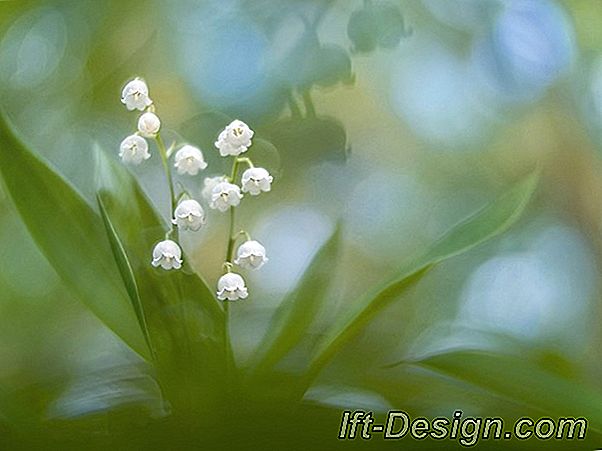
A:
[310,110]
[295,111]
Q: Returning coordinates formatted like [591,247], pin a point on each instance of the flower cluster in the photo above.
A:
[188,214]
[222,193]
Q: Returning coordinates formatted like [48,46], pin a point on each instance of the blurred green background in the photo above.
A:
[398,118]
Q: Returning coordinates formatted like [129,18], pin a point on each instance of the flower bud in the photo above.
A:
[189,160]
[189,215]
[256,180]
[231,286]
[251,255]
[168,255]
[133,150]
[135,95]
[149,124]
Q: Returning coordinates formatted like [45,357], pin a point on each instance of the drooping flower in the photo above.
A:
[189,215]
[134,150]
[225,195]
[251,255]
[256,180]
[135,95]
[149,124]
[208,185]
[231,286]
[234,139]
[168,255]
[189,160]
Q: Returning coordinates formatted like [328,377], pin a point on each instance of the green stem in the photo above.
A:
[244,233]
[292,104]
[227,343]
[246,160]
[231,236]
[310,109]
[167,169]
[234,171]
[230,365]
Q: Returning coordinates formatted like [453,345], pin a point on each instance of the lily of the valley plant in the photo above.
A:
[222,193]
[135,283]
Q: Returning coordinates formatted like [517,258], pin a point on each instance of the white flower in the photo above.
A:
[149,124]
[231,286]
[167,254]
[234,139]
[135,95]
[208,185]
[251,255]
[256,180]
[189,215]
[225,195]
[134,150]
[189,160]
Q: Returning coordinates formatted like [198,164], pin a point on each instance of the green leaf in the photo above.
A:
[70,234]
[522,382]
[140,228]
[185,320]
[297,312]
[490,221]
[126,271]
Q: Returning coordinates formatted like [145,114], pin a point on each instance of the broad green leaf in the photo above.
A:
[140,227]
[522,382]
[185,320]
[297,312]
[490,221]
[70,234]
[126,271]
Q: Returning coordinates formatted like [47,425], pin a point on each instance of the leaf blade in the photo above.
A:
[138,223]
[492,220]
[298,310]
[521,381]
[186,322]
[70,235]
[126,271]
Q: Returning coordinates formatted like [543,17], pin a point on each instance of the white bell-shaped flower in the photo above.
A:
[231,286]
[135,95]
[168,255]
[149,124]
[189,215]
[234,139]
[208,184]
[189,160]
[251,255]
[134,150]
[225,195]
[256,180]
